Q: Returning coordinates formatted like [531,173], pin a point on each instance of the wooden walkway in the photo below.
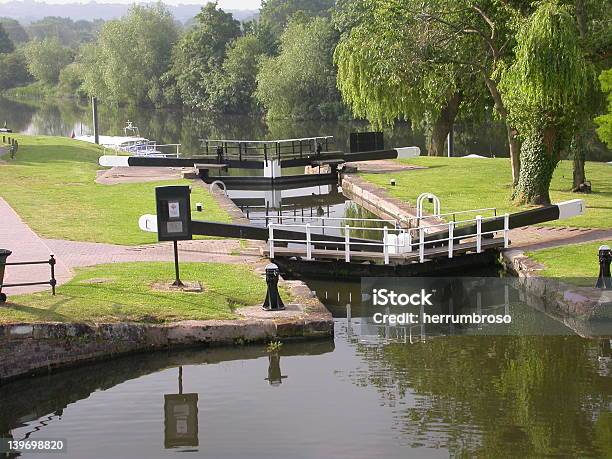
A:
[396,259]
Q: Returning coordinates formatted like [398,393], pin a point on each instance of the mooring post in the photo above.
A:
[273,301]
[421,244]
[604,281]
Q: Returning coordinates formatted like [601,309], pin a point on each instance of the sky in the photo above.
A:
[227,4]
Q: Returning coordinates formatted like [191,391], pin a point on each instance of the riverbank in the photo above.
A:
[551,267]
[37,348]
[473,183]
[51,184]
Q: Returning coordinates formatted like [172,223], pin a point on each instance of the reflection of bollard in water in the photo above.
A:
[3,256]
[275,378]
[273,300]
[604,280]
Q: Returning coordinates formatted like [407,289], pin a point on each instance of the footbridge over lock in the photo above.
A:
[368,246]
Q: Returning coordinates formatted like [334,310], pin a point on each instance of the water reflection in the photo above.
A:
[64,116]
[180,417]
[472,396]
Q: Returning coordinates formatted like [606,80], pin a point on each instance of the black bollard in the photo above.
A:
[273,300]
[3,256]
[604,281]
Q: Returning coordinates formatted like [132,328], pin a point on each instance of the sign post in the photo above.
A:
[174,219]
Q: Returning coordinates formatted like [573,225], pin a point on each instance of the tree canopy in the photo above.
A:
[198,57]
[300,82]
[545,90]
[130,56]
[605,121]
[46,58]
[277,13]
[6,44]
[15,30]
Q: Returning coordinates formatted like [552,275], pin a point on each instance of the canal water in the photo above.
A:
[459,396]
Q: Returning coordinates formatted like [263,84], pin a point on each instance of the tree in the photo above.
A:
[15,31]
[131,54]
[240,68]
[46,58]
[67,31]
[486,29]
[545,90]
[300,82]
[13,70]
[277,13]
[71,80]
[385,74]
[198,57]
[6,44]
[605,121]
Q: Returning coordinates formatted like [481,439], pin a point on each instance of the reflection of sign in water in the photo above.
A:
[173,209]
[181,420]
[275,378]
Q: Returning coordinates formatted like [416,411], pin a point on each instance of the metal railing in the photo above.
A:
[267,149]
[52,282]
[395,240]
[150,148]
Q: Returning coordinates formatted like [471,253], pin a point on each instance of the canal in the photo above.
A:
[368,392]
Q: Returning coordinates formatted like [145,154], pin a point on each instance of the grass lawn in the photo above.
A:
[465,183]
[51,186]
[571,261]
[122,293]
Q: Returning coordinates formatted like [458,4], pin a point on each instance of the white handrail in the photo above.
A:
[394,238]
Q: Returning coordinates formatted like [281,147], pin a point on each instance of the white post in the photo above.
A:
[478,233]
[421,244]
[271,240]
[308,247]
[385,249]
[409,242]
[347,244]
[506,229]
[451,239]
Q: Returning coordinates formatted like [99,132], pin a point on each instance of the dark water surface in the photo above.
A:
[459,396]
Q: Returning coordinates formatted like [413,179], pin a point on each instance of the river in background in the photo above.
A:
[63,117]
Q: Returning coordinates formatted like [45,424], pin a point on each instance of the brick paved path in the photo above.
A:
[15,235]
[533,238]
[26,245]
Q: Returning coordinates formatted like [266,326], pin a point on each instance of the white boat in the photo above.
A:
[131,143]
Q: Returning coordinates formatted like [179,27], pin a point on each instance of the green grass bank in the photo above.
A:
[577,262]
[135,292]
[466,183]
[51,186]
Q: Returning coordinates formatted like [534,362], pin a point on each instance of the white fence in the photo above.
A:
[395,240]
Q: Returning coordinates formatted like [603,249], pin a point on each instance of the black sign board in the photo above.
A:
[173,213]
[366,141]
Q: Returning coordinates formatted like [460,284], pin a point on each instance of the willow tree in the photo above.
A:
[384,73]
[545,90]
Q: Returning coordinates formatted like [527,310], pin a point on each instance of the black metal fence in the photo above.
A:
[12,143]
[243,150]
[52,282]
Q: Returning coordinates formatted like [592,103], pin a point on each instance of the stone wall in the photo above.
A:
[36,348]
